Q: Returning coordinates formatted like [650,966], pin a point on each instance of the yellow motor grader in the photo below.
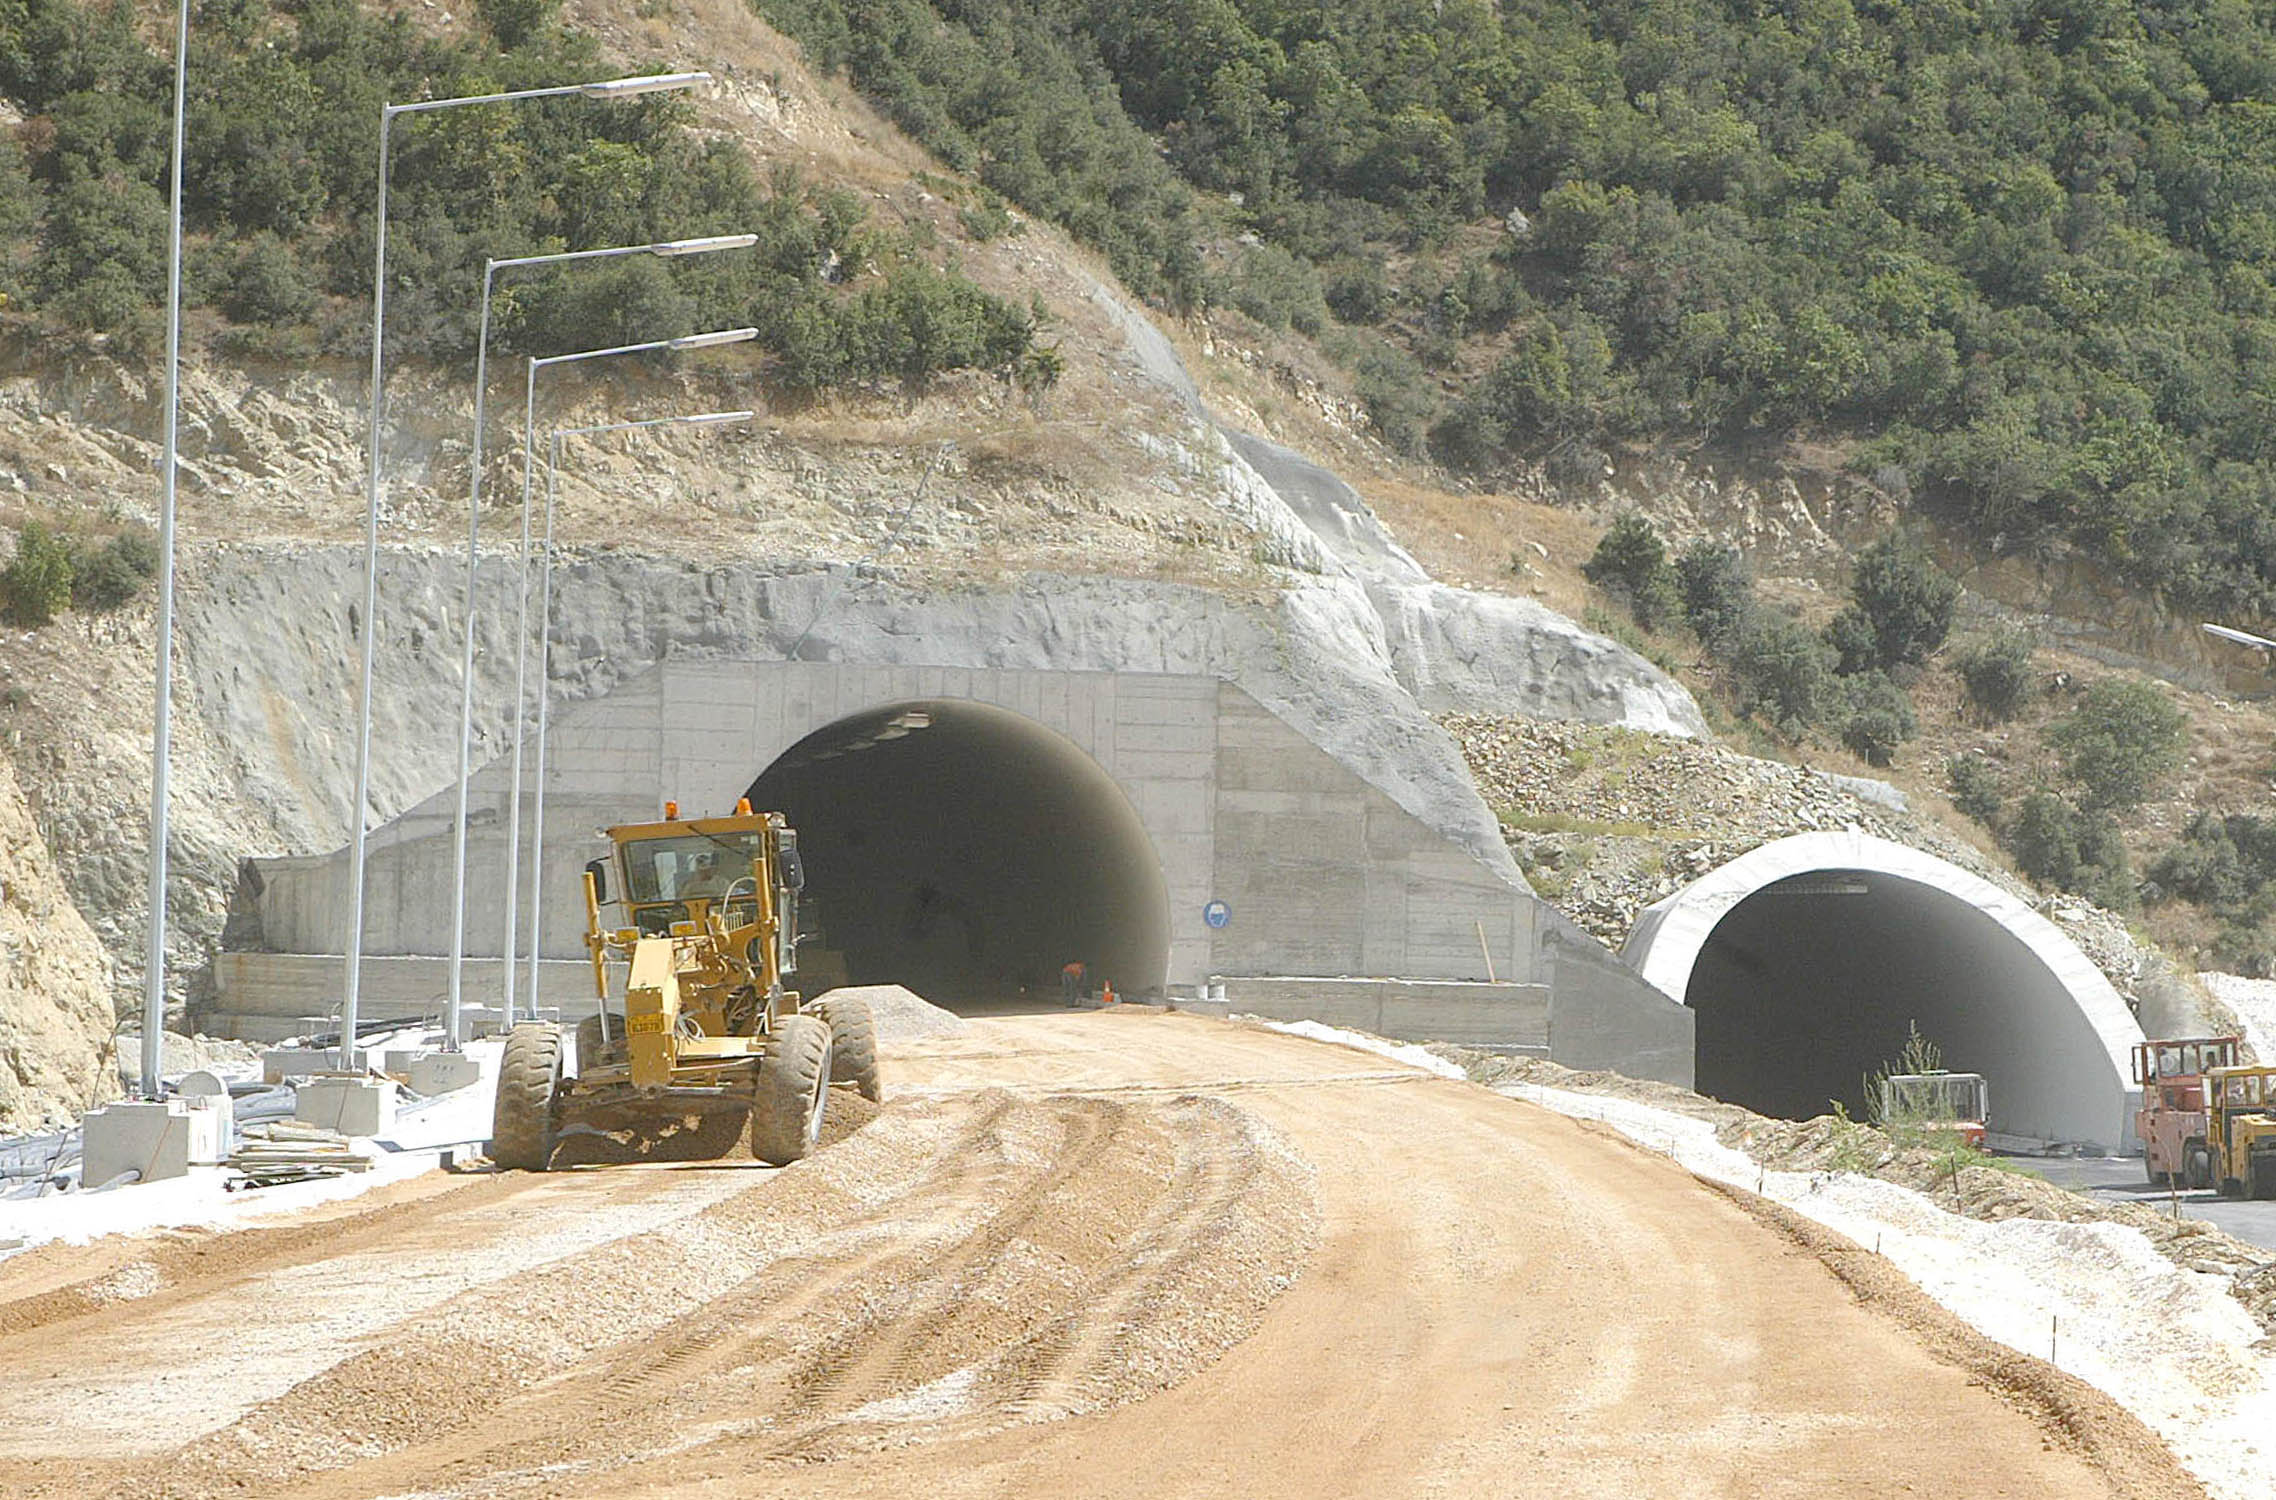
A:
[2240,1104]
[709,932]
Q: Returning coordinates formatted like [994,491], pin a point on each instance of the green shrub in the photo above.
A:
[1357,290]
[1631,561]
[36,584]
[2247,948]
[2123,739]
[1784,673]
[111,575]
[1975,788]
[1279,291]
[1877,717]
[2225,864]
[1997,674]
[2044,839]
[2105,875]
[516,22]
[1711,579]
[1856,647]
[986,219]
[1399,395]
[267,283]
[1907,600]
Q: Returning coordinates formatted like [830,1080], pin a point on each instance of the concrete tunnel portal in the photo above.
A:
[1807,961]
[968,852]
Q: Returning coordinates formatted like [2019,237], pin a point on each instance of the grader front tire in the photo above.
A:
[529,1080]
[792,1087]
[853,1046]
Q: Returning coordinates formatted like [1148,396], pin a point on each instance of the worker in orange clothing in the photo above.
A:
[1071,982]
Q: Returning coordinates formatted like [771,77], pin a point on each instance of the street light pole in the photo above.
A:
[612,88]
[490,270]
[545,658]
[162,723]
[521,632]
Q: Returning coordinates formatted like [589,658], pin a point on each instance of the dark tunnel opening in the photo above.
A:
[1809,986]
[968,853]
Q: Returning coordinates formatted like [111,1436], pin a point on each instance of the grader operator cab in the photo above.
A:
[708,934]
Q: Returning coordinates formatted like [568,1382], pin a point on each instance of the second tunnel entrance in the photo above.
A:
[968,852]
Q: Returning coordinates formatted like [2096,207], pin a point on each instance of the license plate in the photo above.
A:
[644,1024]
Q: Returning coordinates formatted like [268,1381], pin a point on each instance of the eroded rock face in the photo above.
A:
[55,1002]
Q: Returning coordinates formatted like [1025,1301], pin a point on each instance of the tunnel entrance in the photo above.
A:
[1805,978]
[968,853]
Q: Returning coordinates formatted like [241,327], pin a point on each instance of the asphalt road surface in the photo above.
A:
[1127,1255]
[2122,1179]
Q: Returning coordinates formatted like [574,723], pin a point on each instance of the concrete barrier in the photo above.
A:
[153,1138]
[1613,1020]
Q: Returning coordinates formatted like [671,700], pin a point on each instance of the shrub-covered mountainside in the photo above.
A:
[278,192]
[2011,258]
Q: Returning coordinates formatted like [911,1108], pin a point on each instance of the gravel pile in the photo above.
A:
[902,1015]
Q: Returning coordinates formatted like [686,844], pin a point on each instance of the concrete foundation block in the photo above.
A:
[280,1063]
[440,1072]
[352,1106]
[156,1138]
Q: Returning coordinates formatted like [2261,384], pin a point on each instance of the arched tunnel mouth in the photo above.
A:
[1810,986]
[968,853]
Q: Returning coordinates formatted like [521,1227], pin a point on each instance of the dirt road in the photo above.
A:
[1115,1255]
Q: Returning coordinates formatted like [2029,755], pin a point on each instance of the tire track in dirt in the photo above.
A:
[886,1353]
[982,1230]
[188,1263]
[441,1372]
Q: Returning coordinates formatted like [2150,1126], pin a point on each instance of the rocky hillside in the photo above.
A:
[55,993]
[1194,493]
[1606,821]
[1130,515]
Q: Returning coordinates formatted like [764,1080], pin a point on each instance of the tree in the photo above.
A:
[1631,561]
[1906,598]
[2121,741]
[1975,788]
[1785,674]
[1877,718]
[111,575]
[37,581]
[2044,839]
[1997,674]
[1711,579]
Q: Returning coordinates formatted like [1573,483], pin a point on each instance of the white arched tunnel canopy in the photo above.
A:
[1806,960]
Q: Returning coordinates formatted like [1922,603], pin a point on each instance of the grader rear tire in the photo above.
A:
[792,1087]
[853,1046]
[529,1080]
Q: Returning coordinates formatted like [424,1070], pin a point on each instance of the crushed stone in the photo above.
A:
[902,1015]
